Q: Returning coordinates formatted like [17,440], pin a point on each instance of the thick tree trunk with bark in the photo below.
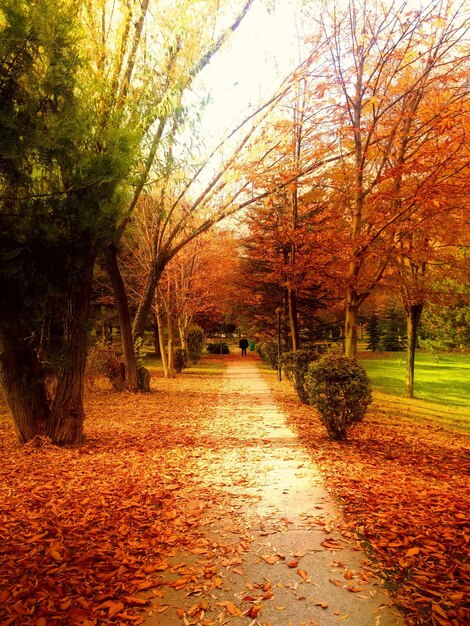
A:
[24,384]
[130,362]
[412,322]
[67,414]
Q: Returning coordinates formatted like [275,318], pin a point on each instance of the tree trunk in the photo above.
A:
[65,425]
[161,338]
[293,318]
[156,340]
[170,347]
[23,379]
[412,322]
[112,267]
[145,305]
[350,326]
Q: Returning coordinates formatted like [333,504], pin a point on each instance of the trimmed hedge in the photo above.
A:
[295,365]
[268,352]
[217,348]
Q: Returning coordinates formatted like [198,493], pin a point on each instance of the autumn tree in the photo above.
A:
[148,81]
[269,271]
[386,65]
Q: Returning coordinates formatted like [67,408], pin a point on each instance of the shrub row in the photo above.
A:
[296,364]
[337,386]
[218,348]
[268,351]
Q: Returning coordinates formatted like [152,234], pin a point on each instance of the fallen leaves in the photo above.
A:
[303,574]
[87,534]
[405,489]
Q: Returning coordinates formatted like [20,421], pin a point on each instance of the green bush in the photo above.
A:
[268,351]
[195,343]
[181,360]
[338,387]
[295,365]
[218,348]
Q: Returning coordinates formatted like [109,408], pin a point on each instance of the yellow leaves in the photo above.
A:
[254,611]
[113,607]
[412,552]
[135,601]
[56,555]
[330,544]
[348,574]
[337,582]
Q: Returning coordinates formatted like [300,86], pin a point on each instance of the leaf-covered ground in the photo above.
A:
[84,531]
[405,487]
[87,535]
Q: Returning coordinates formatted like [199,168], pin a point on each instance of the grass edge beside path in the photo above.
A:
[442,386]
[404,489]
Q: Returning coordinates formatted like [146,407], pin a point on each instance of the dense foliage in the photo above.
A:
[61,174]
[195,343]
[268,351]
[181,360]
[296,364]
[219,347]
[339,389]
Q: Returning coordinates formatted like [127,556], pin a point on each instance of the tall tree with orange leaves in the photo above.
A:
[383,67]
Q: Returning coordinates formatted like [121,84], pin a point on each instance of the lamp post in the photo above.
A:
[279,370]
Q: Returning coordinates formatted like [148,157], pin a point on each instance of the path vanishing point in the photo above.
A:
[280,559]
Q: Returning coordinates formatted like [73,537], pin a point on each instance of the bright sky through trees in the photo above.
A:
[250,68]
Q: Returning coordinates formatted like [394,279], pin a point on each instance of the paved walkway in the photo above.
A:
[279,560]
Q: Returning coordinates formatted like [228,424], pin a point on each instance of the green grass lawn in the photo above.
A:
[442,387]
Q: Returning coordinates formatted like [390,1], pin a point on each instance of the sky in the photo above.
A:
[247,71]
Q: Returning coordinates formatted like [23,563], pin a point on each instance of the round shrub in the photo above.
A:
[181,360]
[295,365]
[338,387]
[195,343]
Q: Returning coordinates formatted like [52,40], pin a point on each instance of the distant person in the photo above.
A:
[243,345]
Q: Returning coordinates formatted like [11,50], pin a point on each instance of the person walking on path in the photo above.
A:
[243,345]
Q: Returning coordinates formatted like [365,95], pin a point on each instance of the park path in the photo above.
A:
[271,543]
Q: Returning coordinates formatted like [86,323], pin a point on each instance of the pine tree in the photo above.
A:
[373,342]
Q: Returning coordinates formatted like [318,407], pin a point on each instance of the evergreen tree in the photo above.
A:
[373,342]
[60,177]
[392,329]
